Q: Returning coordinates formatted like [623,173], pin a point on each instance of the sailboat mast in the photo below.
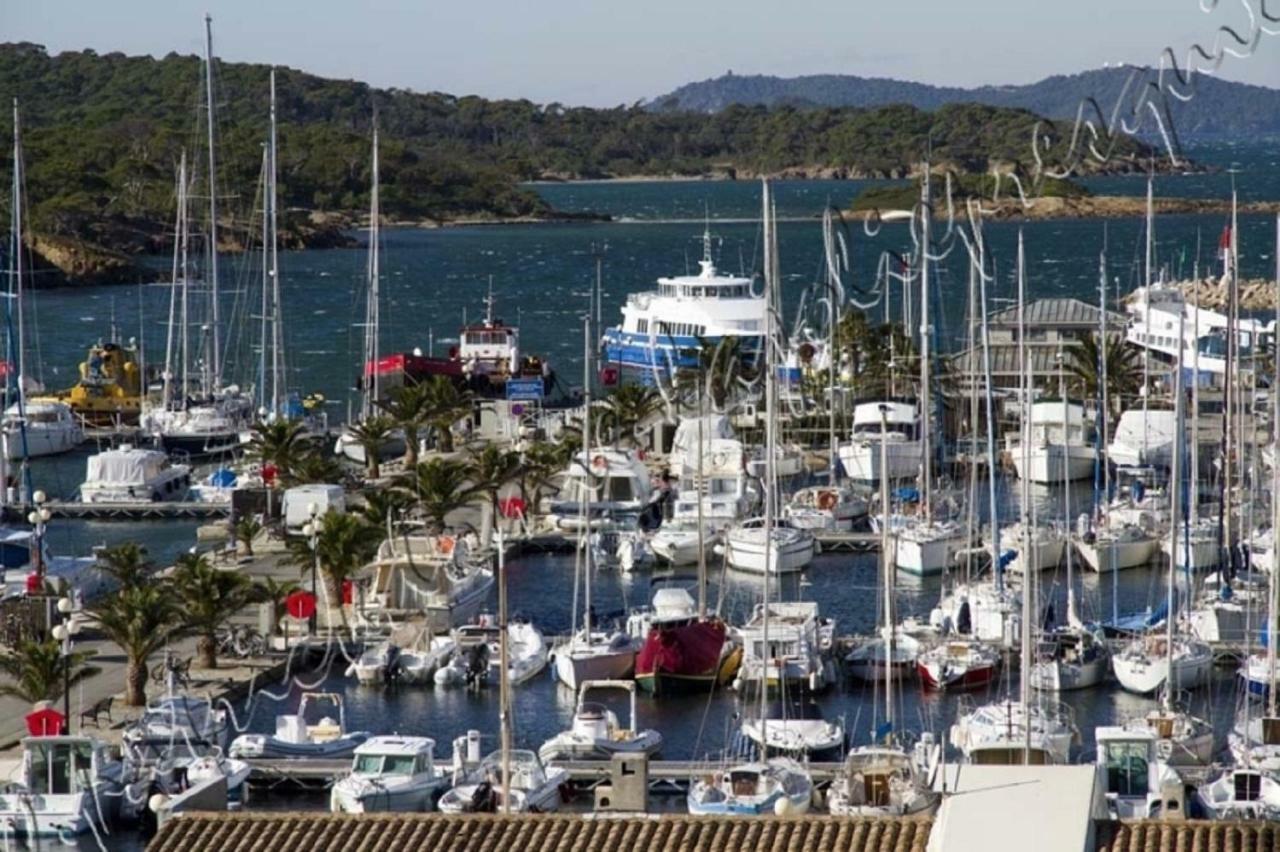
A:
[770,440]
[1175,492]
[504,675]
[265,317]
[1028,570]
[588,485]
[990,405]
[178,225]
[886,568]
[925,404]
[184,247]
[371,318]
[700,491]
[1273,585]
[277,356]
[216,357]
[1146,319]
[833,320]
[15,279]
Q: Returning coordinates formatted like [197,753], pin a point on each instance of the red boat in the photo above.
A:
[960,664]
[681,651]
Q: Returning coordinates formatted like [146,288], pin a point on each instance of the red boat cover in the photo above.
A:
[412,365]
[690,649]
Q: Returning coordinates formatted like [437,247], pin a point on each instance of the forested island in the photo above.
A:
[103,133]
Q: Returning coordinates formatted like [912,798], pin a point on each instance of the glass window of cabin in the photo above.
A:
[399,764]
[619,489]
[368,764]
[1127,771]
[642,326]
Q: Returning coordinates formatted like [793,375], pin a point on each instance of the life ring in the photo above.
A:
[445,544]
[826,500]
[600,464]
[718,460]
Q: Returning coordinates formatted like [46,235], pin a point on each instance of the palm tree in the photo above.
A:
[441,486]
[141,619]
[315,466]
[273,591]
[280,443]
[492,468]
[629,406]
[344,543]
[246,529]
[446,405]
[384,505]
[373,434]
[209,598]
[407,408]
[722,368]
[127,562]
[1124,369]
[542,461]
[36,671]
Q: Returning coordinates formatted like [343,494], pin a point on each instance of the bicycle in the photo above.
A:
[242,642]
[180,670]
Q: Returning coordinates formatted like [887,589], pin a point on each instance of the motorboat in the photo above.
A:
[897,425]
[957,664]
[1182,739]
[1004,732]
[1160,309]
[880,781]
[175,728]
[899,651]
[109,391]
[613,481]
[1061,444]
[1144,665]
[1069,657]
[790,549]
[1241,793]
[411,663]
[534,787]
[834,508]
[200,429]
[796,728]
[779,785]
[477,656]
[1144,439]
[798,653]
[681,542]
[66,786]
[596,733]
[443,577]
[665,330]
[130,474]
[1255,741]
[681,651]
[395,773]
[311,733]
[1136,776]
[40,427]
[788,461]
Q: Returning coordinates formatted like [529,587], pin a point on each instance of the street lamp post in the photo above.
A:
[38,517]
[65,633]
[311,529]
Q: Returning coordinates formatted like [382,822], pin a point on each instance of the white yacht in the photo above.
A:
[596,733]
[999,732]
[213,427]
[393,773]
[868,660]
[66,786]
[1119,540]
[1144,438]
[1241,793]
[787,550]
[904,450]
[41,427]
[443,577]
[684,445]
[708,502]
[1048,543]
[834,508]
[879,781]
[779,785]
[1144,665]
[796,729]
[613,481]
[1157,312]
[1069,657]
[984,610]
[132,474]
[308,734]
[926,547]
[1061,444]
[799,649]
[591,654]
[534,788]
[663,330]
[1135,773]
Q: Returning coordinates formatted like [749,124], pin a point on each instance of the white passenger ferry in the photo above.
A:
[662,330]
[1156,314]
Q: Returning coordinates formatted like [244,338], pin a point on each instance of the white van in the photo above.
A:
[296,508]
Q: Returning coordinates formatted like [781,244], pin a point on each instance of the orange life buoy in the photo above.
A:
[445,544]
[599,463]
[826,500]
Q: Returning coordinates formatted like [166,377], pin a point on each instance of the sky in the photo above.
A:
[606,52]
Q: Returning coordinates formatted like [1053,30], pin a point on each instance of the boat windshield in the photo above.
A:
[1127,769]
[388,764]
[59,769]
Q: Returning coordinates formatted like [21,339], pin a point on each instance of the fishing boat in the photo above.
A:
[682,651]
[596,733]
[860,456]
[663,331]
[957,664]
[534,787]
[309,734]
[789,549]
[1059,443]
[775,786]
[130,474]
[796,728]
[834,508]
[396,774]
[442,578]
[109,391]
[66,786]
[880,781]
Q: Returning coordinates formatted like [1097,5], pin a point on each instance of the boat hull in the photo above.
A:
[861,460]
[1054,463]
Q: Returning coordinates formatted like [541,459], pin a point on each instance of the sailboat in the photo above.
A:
[201,417]
[590,653]
[767,785]
[32,426]
[881,779]
[1174,663]
[348,445]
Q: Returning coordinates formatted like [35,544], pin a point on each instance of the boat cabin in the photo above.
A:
[382,756]
[62,766]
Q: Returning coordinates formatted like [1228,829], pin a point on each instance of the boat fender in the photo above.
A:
[445,544]
[827,500]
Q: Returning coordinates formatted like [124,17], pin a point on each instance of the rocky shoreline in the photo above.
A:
[1101,207]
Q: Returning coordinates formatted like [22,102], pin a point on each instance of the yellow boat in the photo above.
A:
[110,388]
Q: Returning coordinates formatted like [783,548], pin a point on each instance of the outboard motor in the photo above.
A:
[392,671]
[964,621]
[477,664]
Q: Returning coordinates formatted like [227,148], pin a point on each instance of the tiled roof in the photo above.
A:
[1188,836]
[1056,312]
[320,832]
[1005,360]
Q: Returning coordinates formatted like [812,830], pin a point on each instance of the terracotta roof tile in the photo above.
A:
[1189,836]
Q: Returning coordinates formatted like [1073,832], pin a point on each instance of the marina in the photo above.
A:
[713,514]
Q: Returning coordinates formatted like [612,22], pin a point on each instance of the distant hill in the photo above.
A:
[1219,107]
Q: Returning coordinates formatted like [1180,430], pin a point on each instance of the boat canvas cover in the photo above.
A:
[691,649]
[714,427]
[129,467]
